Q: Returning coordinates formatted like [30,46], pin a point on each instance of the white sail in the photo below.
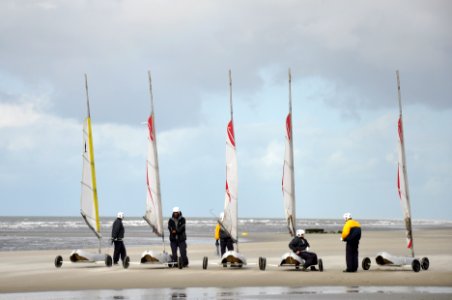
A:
[230,219]
[402,179]
[88,199]
[153,215]
[288,180]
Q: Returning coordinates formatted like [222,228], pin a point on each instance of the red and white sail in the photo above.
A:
[402,178]
[288,179]
[153,215]
[230,219]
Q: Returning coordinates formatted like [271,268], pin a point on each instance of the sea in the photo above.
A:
[51,233]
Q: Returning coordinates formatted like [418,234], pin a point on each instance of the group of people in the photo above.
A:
[177,236]
[351,234]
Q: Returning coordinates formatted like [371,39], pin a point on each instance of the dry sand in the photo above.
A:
[27,271]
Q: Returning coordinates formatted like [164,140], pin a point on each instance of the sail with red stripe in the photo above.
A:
[402,178]
[153,215]
[230,219]
[288,180]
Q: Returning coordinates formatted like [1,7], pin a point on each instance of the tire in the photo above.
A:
[108,260]
[425,263]
[205,260]
[180,263]
[58,261]
[126,262]
[366,263]
[416,265]
[265,263]
[320,265]
[262,263]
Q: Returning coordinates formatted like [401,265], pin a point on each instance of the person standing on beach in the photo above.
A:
[351,234]
[300,246]
[117,234]
[224,237]
[177,236]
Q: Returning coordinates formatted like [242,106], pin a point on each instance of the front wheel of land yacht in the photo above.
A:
[416,265]
[58,261]
[262,263]
[108,260]
[126,262]
[366,263]
[205,260]
[425,263]
[320,265]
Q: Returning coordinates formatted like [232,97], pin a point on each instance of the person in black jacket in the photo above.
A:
[117,234]
[177,236]
[300,246]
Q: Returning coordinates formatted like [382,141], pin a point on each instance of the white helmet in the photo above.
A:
[120,215]
[299,232]
[221,216]
[176,209]
[347,216]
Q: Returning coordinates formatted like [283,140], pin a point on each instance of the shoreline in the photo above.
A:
[34,271]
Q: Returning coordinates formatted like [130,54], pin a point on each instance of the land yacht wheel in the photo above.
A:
[416,265]
[205,260]
[320,265]
[58,261]
[108,260]
[425,263]
[366,263]
[126,262]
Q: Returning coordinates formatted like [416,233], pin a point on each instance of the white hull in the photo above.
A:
[233,258]
[387,259]
[155,257]
[80,256]
[290,259]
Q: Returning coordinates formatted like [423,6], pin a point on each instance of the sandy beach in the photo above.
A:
[31,271]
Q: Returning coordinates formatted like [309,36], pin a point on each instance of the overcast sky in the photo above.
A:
[343,56]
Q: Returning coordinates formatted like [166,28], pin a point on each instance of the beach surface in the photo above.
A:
[33,271]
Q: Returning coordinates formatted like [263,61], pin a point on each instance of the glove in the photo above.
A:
[111,241]
[217,243]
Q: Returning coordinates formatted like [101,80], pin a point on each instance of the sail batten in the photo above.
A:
[89,200]
[153,214]
[288,179]
[230,220]
[402,176]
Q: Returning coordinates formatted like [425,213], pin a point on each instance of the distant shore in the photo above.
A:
[29,271]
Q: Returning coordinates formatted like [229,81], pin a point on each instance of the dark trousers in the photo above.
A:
[226,243]
[182,249]
[120,250]
[310,258]
[351,256]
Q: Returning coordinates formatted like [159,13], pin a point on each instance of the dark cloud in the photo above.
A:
[189,46]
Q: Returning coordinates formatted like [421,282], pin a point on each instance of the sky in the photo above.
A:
[343,56]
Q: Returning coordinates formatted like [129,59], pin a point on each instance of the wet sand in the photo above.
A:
[31,271]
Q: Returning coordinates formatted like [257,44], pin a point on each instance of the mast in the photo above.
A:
[288,181]
[89,200]
[402,177]
[153,214]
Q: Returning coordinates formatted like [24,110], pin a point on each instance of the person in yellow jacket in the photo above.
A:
[351,234]
[224,238]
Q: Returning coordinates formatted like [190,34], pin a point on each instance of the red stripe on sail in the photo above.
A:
[400,129]
[230,132]
[410,244]
[227,191]
[398,181]
[289,127]
[151,127]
